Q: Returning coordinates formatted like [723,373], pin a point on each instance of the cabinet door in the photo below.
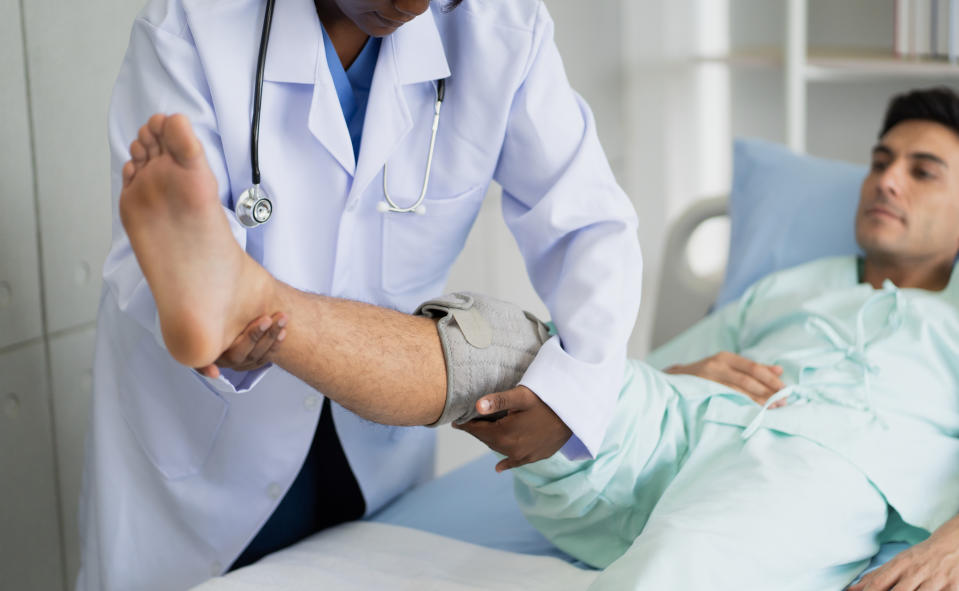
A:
[29,531]
[74,50]
[71,357]
[19,270]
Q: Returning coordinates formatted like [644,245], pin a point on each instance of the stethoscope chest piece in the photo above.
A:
[253,207]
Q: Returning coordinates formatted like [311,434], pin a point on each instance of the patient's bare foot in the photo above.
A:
[206,288]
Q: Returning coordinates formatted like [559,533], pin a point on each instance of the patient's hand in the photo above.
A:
[252,349]
[933,564]
[756,380]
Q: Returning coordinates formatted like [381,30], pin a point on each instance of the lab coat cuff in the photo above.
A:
[583,395]
[235,382]
[575,449]
[229,381]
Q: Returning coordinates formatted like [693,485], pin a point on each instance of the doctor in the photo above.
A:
[188,476]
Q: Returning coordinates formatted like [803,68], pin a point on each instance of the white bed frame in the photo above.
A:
[684,296]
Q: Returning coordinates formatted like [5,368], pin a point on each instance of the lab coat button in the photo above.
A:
[274,490]
[216,569]
[311,402]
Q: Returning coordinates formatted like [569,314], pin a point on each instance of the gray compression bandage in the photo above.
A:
[488,344]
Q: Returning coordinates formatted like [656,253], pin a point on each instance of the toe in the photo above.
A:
[149,142]
[129,169]
[138,154]
[180,141]
[155,127]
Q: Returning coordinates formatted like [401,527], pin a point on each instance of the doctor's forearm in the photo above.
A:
[385,366]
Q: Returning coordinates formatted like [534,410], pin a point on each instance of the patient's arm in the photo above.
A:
[710,350]
[932,564]
[754,379]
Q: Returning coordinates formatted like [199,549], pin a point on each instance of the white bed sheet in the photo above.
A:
[368,555]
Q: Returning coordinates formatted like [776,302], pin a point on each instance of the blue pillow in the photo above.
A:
[786,209]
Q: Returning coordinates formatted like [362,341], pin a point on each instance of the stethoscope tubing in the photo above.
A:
[254,207]
[417,207]
[258,92]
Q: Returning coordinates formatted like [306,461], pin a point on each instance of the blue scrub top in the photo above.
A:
[353,85]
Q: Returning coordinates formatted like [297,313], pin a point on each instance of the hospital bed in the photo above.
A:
[464,530]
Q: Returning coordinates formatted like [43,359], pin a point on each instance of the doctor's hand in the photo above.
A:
[756,380]
[526,431]
[252,349]
[932,564]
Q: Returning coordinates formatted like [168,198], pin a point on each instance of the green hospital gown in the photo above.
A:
[689,466]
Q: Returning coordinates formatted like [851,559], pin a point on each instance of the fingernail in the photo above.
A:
[264,324]
[281,322]
[484,405]
[281,336]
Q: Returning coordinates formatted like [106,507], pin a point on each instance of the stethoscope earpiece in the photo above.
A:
[384,207]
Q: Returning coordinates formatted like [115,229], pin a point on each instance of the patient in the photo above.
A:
[696,486]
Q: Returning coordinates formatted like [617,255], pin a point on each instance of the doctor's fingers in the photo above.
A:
[493,434]
[240,354]
[267,343]
[522,437]
[514,399]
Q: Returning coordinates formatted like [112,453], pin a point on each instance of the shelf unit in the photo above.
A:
[802,65]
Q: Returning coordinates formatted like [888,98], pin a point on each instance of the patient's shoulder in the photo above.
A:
[807,278]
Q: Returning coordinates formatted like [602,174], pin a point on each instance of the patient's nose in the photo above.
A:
[891,179]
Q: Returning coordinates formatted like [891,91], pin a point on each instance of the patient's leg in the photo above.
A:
[381,364]
[205,286]
[675,502]
[770,512]
[384,365]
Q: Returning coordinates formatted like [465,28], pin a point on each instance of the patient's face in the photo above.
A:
[909,203]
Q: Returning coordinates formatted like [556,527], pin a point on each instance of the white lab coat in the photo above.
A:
[181,471]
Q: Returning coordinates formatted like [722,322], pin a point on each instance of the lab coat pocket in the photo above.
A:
[418,250]
[174,415]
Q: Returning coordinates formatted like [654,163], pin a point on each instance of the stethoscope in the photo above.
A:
[254,206]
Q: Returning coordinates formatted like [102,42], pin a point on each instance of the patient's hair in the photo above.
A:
[939,104]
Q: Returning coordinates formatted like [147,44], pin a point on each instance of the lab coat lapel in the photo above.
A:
[230,34]
[296,55]
[413,54]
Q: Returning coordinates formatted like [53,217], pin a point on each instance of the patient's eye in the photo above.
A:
[879,165]
[922,173]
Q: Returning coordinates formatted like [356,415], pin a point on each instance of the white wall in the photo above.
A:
[58,61]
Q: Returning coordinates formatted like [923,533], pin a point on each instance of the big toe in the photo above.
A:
[180,141]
